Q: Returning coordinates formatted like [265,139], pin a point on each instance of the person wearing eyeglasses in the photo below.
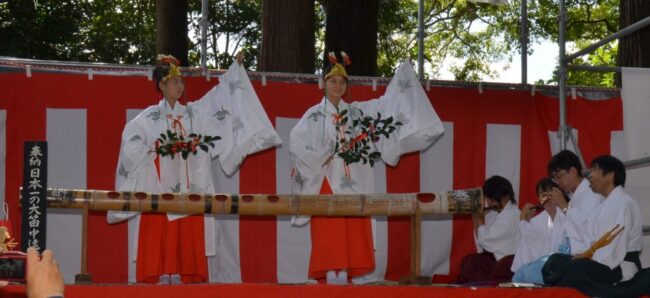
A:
[610,267]
[566,171]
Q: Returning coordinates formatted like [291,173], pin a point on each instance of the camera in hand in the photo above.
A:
[13,266]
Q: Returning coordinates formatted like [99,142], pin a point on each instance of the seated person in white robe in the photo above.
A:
[540,234]
[497,234]
[566,170]
[613,270]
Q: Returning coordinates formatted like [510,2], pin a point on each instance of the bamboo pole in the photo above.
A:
[415,205]
[452,202]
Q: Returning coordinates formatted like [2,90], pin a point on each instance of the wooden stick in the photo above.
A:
[416,240]
[414,277]
[603,241]
[84,277]
[84,240]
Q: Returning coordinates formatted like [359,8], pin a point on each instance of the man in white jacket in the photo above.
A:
[565,170]
[612,269]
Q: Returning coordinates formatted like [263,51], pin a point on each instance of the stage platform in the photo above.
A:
[273,290]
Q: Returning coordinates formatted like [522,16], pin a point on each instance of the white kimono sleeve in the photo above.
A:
[406,102]
[310,145]
[532,241]
[581,208]
[135,168]
[499,237]
[612,255]
[233,111]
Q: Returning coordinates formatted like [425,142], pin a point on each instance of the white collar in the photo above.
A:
[582,187]
[178,109]
[616,191]
[509,204]
[330,108]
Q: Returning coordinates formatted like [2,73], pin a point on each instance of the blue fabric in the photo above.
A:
[565,247]
[531,272]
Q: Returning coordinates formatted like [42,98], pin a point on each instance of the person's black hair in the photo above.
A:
[497,187]
[159,73]
[546,184]
[609,164]
[564,160]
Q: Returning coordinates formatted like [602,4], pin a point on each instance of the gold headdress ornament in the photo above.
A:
[337,68]
[173,63]
[6,242]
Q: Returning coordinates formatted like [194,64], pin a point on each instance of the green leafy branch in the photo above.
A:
[363,133]
[171,143]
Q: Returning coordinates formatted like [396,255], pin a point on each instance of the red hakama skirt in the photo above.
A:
[171,247]
[340,243]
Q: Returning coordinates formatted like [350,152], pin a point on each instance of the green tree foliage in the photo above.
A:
[233,25]
[469,37]
[460,34]
[43,32]
[587,22]
[465,37]
[603,56]
[118,31]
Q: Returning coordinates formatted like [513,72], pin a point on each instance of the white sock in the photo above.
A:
[342,278]
[331,277]
[176,279]
[365,279]
[164,279]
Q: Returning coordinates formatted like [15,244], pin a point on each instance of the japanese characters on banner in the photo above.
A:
[33,197]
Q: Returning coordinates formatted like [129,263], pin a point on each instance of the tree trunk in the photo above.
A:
[351,26]
[171,29]
[633,49]
[288,36]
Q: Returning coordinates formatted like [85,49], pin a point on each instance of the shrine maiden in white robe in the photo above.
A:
[618,209]
[540,236]
[582,205]
[230,110]
[313,138]
[500,233]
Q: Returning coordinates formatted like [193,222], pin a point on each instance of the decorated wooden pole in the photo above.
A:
[452,202]
[416,205]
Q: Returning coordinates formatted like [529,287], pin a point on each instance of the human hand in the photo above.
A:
[557,196]
[3,282]
[527,212]
[43,276]
[240,57]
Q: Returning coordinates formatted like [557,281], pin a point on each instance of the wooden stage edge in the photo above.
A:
[274,290]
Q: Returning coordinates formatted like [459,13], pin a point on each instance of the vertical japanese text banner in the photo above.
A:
[34,196]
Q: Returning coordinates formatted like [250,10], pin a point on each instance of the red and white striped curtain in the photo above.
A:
[505,132]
